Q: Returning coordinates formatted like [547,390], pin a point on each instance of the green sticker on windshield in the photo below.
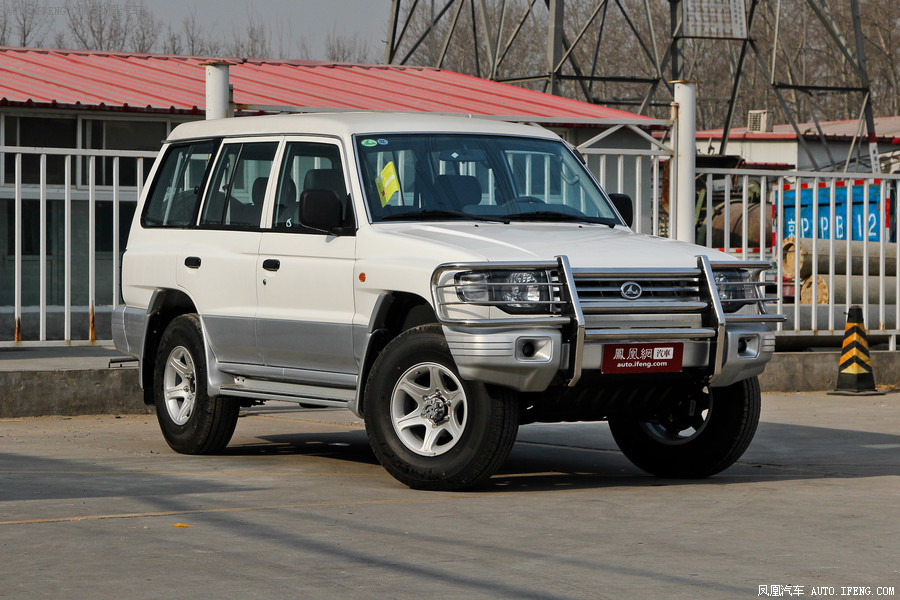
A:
[368,143]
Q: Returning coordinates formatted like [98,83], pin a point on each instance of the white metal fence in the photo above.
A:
[832,236]
[59,265]
[59,269]
[637,172]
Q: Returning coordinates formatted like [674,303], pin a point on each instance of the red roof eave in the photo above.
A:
[767,136]
[788,136]
[103,107]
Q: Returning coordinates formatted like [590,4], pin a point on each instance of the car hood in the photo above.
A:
[585,245]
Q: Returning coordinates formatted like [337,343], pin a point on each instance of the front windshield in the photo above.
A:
[477,177]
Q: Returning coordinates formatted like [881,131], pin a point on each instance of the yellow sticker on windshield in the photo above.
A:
[387,183]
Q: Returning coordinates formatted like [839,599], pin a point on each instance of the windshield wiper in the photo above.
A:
[435,214]
[552,215]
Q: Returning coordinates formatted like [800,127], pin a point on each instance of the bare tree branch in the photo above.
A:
[4,24]
[172,43]
[253,42]
[143,28]
[346,48]
[97,25]
[28,22]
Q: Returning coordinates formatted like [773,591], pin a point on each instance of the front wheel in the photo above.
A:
[429,428]
[701,434]
[191,422]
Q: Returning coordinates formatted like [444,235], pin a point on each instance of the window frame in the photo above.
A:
[499,159]
[169,148]
[265,213]
[350,217]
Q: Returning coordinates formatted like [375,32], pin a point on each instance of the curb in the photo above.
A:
[91,391]
[70,393]
[818,371]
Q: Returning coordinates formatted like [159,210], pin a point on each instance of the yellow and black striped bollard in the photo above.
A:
[855,374]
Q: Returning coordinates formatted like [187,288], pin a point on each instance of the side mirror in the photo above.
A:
[321,210]
[623,204]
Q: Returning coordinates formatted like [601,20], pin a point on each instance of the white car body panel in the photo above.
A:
[317,310]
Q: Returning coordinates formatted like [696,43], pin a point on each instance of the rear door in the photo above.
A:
[217,267]
[305,277]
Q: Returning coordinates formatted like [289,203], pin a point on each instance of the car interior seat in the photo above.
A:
[249,214]
[328,180]
[458,191]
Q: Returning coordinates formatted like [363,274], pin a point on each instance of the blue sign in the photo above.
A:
[860,224]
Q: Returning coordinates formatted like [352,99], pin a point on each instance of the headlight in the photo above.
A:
[473,287]
[511,291]
[527,291]
[735,290]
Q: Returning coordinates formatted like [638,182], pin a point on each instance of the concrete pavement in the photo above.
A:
[99,507]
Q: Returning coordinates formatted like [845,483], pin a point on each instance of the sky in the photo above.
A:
[311,20]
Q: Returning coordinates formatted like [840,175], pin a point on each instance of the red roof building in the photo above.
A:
[70,121]
[97,100]
[834,144]
[170,84]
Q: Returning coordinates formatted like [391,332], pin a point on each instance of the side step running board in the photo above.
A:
[258,389]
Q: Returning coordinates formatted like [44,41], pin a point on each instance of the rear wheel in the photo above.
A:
[191,422]
[703,433]
[428,427]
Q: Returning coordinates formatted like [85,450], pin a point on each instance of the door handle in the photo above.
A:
[192,262]
[271,264]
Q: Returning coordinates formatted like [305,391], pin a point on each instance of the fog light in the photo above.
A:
[748,346]
[534,349]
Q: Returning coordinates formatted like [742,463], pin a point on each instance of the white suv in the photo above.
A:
[446,279]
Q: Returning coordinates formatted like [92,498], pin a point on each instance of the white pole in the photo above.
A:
[686,150]
[217,90]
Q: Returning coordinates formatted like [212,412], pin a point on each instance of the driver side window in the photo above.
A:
[308,167]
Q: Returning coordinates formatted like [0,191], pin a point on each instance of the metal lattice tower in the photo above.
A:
[417,25]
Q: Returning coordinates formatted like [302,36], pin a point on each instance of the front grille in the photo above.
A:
[639,291]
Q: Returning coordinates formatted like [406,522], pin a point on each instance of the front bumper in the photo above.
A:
[527,354]
[499,356]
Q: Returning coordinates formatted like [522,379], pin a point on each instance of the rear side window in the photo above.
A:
[235,199]
[179,182]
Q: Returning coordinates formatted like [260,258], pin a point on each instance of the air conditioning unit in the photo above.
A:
[758,121]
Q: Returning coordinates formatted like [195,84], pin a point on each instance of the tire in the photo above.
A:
[678,445]
[191,422]
[428,427]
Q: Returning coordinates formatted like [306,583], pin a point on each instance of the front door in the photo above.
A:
[305,277]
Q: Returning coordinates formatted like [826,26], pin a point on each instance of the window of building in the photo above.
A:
[120,134]
[40,132]
[31,227]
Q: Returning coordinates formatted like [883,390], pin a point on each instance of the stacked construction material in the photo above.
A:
[797,263]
